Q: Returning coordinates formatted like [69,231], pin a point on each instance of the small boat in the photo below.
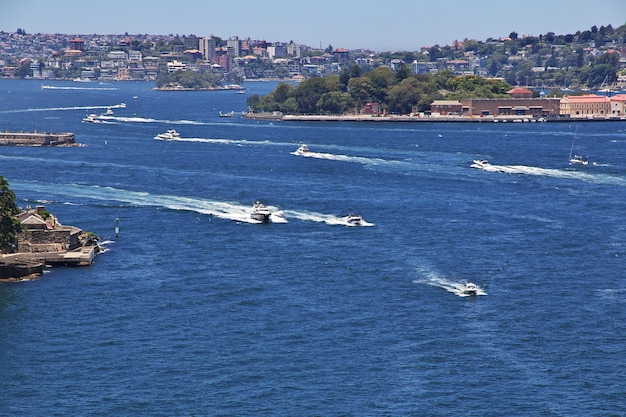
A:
[480,164]
[229,114]
[470,288]
[90,118]
[303,149]
[242,91]
[260,212]
[576,159]
[354,219]
[171,134]
[109,112]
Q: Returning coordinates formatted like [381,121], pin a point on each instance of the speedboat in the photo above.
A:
[470,288]
[303,149]
[90,118]
[229,114]
[260,212]
[354,219]
[109,112]
[480,163]
[171,134]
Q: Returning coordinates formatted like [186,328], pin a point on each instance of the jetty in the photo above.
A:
[37,139]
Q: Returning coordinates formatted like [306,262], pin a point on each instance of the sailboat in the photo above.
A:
[576,159]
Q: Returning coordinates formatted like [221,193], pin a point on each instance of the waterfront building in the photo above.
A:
[585,106]
[535,107]
[618,105]
[446,107]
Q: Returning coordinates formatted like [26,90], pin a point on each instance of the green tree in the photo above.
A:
[308,93]
[403,72]
[335,102]
[361,90]
[10,226]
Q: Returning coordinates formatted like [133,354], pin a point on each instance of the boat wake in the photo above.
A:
[457,288]
[54,87]
[324,218]
[40,109]
[222,141]
[343,158]
[224,210]
[549,172]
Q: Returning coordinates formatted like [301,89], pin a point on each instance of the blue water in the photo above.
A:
[194,310]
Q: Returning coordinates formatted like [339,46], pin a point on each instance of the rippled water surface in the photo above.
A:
[195,309]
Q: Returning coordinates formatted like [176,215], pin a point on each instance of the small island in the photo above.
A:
[33,238]
[193,81]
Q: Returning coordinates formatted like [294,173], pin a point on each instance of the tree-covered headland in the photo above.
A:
[10,226]
[399,92]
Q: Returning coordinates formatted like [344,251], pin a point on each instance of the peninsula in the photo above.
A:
[31,239]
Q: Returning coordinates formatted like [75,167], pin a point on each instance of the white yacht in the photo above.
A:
[354,219]
[90,118]
[229,114]
[470,289]
[480,163]
[260,212]
[171,134]
[303,149]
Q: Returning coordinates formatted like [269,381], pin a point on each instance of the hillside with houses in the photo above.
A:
[591,58]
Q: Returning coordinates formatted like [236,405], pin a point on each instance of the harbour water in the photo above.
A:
[194,309]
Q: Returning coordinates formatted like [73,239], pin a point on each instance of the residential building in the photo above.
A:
[276,51]
[233,46]
[520,92]
[207,47]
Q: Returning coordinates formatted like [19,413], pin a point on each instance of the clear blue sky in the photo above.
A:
[373,24]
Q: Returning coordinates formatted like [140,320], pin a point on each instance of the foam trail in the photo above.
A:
[554,173]
[114,106]
[456,287]
[323,218]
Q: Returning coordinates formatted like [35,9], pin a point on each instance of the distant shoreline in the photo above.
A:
[276,116]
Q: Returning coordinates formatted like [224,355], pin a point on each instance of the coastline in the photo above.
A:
[277,116]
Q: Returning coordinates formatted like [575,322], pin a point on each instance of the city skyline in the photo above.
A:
[363,25]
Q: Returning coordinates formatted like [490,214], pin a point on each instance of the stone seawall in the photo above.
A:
[37,139]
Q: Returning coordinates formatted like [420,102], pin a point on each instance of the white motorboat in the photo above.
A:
[90,118]
[260,212]
[171,134]
[303,149]
[470,289]
[229,114]
[354,219]
[109,112]
[480,163]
